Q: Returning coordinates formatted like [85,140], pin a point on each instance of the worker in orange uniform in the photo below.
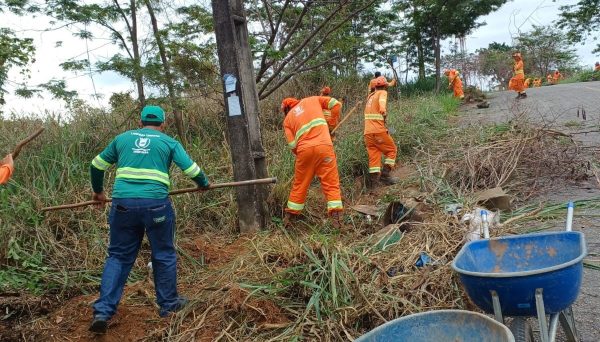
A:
[517,82]
[371,89]
[333,111]
[549,79]
[307,135]
[377,138]
[6,168]
[597,66]
[556,77]
[455,83]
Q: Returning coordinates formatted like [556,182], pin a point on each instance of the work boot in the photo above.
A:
[99,326]
[289,219]
[373,181]
[386,178]
[336,219]
[523,95]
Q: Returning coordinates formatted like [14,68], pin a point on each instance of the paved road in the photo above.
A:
[557,107]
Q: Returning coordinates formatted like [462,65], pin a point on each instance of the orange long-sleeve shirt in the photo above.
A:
[452,75]
[332,112]
[392,83]
[375,112]
[305,126]
[5,173]
[518,69]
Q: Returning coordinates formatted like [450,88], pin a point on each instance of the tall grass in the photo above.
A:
[63,252]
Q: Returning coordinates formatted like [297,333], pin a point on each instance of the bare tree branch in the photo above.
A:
[302,45]
[263,91]
[296,72]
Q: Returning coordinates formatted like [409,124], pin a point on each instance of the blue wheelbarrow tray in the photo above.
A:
[515,266]
[440,326]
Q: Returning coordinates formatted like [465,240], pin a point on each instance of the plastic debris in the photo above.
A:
[475,222]
[424,259]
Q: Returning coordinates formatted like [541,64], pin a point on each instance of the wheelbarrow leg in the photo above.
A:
[567,321]
[541,315]
[553,327]
[497,308]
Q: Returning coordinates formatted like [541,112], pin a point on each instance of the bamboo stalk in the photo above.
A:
[26,141]
[346,117]
[174,192]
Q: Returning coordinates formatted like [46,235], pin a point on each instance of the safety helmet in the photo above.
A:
[381,82]
[288,103]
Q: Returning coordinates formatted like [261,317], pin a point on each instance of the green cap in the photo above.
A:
[153,114]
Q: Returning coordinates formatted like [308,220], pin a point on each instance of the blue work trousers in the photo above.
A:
[128,219]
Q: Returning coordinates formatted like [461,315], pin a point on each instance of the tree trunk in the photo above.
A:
[251,104]
[244,157]
[139,78]
[420,57]
[438,58]
[167,71]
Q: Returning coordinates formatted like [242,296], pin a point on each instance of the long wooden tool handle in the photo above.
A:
[26,141]
[346,117]
[174,192]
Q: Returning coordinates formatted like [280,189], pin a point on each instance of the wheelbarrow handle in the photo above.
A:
[570,209]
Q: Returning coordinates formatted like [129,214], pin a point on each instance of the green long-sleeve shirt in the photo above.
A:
[143,158]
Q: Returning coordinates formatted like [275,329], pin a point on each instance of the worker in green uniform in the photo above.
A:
[140,203]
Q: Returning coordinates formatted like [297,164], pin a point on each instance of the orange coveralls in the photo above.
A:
[377,139]
[597,67]
[5,173]
[372,85]
[455,82]
[517,83]
[308,136]
[332,112]
[556,77]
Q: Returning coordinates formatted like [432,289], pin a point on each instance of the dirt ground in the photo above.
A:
[573,109]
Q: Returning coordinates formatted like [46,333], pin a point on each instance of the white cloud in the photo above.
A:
[520,16]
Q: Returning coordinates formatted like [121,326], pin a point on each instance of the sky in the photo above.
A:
[513,17]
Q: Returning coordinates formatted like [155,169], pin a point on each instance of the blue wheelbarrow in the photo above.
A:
[524,276]
[440,326]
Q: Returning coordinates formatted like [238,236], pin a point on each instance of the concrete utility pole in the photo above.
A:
[241,105]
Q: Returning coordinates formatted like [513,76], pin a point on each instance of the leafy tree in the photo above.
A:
[544,49]
[440,19]
[14,52]
[496,62]
[292,37]
[581,20]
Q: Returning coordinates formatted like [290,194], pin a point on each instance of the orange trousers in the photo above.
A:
[458,89]
[320,161]
[378,145]
[517,83]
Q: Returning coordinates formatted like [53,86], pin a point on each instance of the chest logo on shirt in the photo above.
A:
[298,110]
[141,145]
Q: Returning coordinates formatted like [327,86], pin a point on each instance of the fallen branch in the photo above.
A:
[26,141]
[175,192]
